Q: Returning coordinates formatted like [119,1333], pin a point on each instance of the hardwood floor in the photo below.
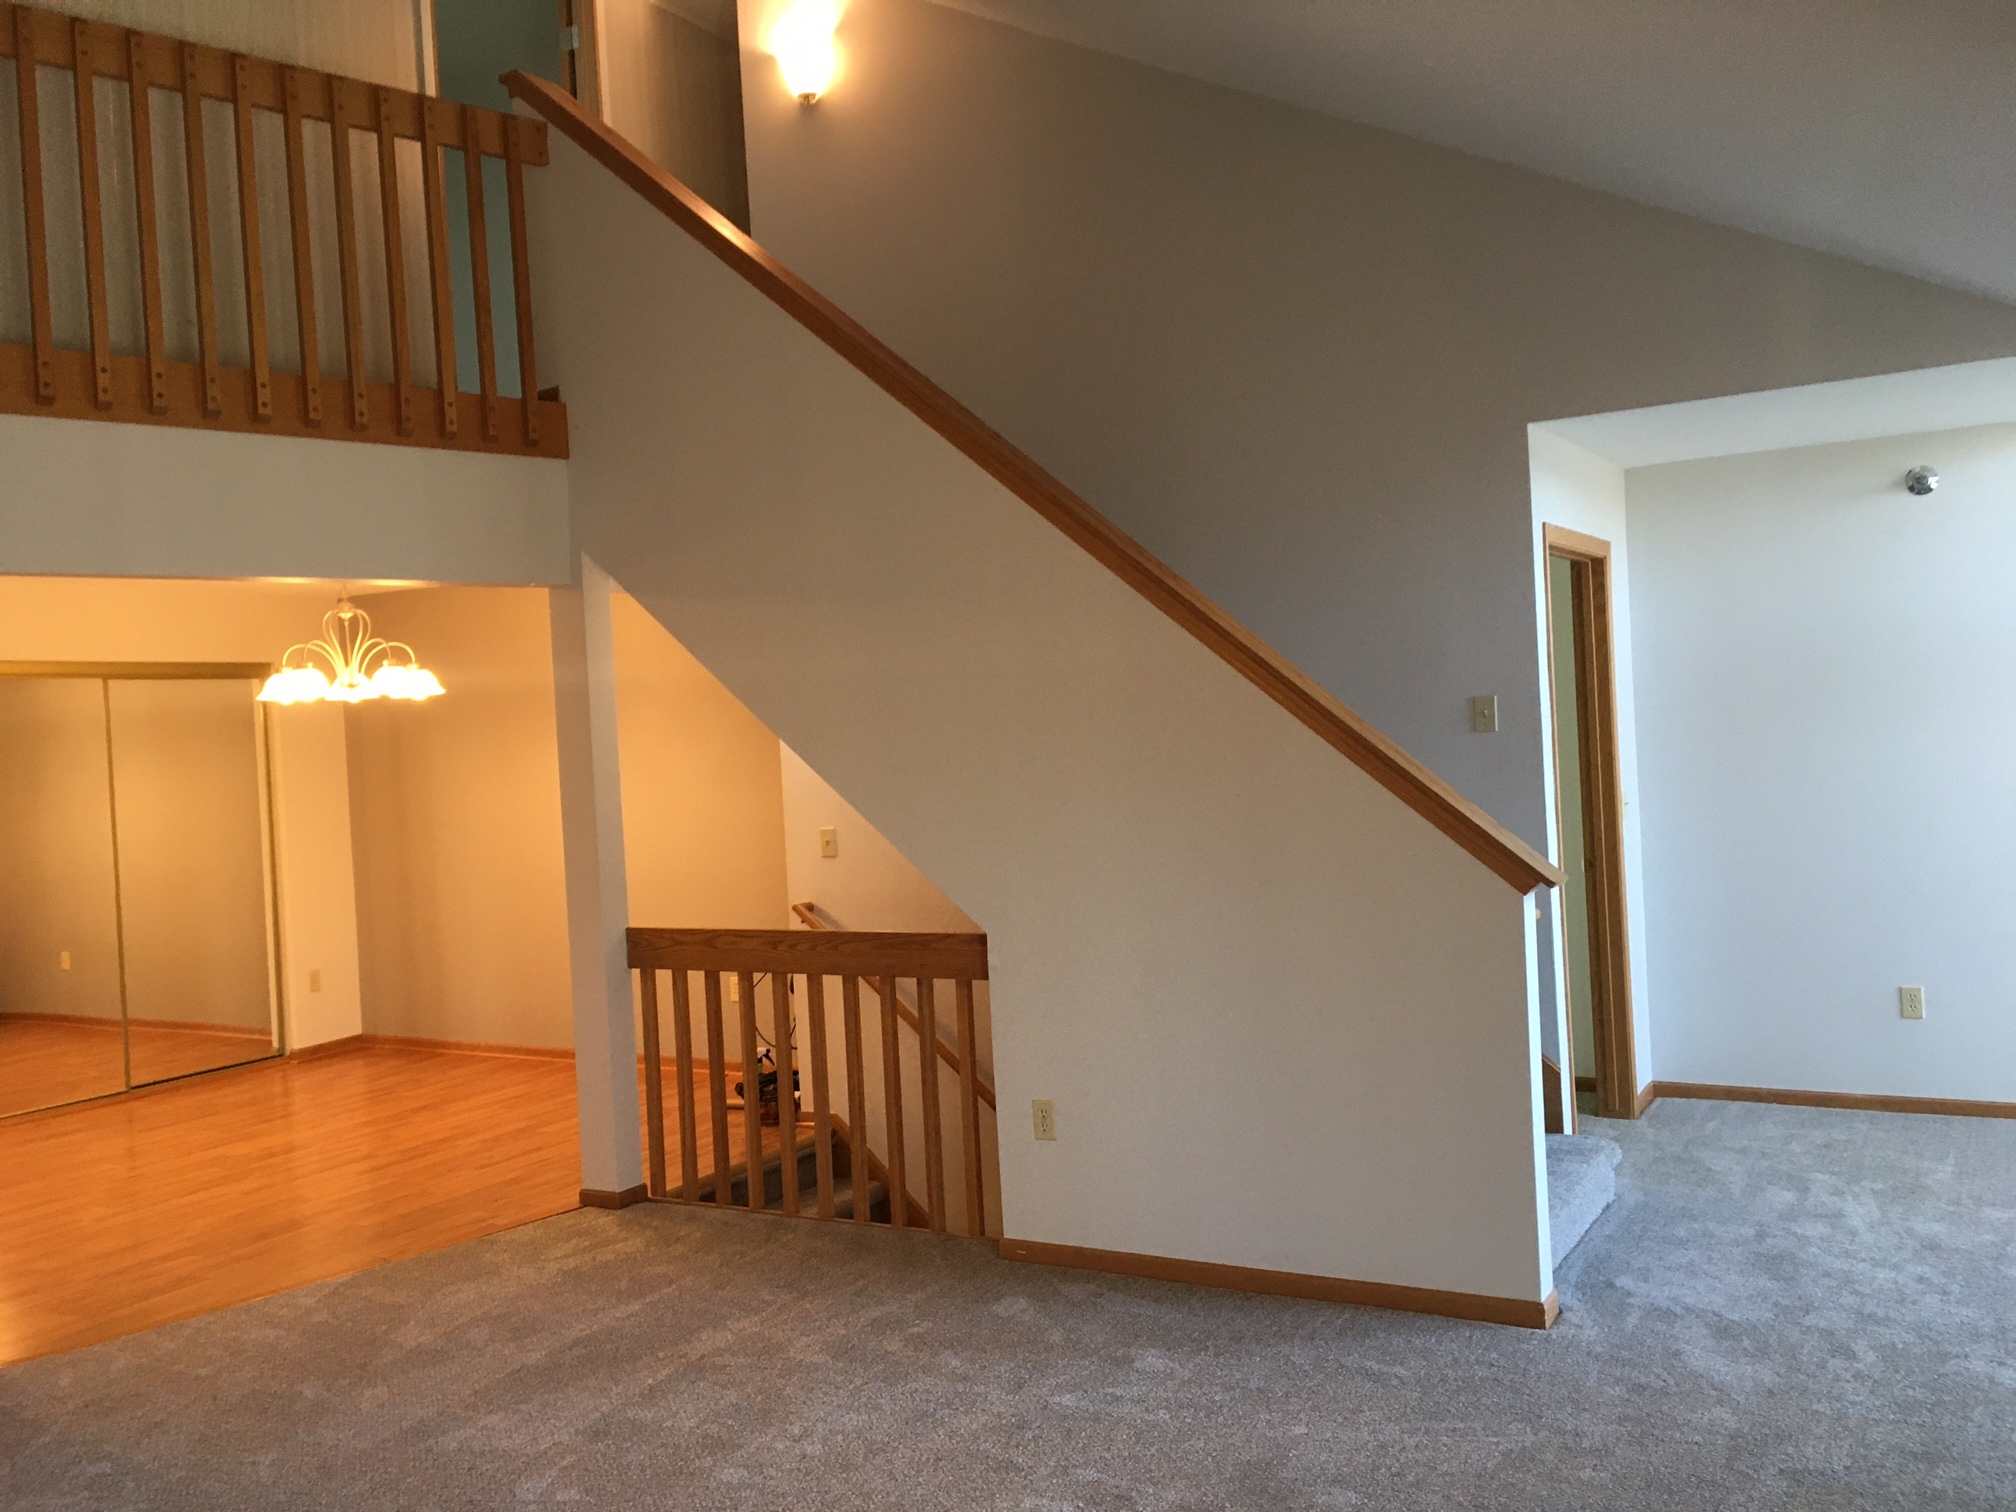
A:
[140,1210]
[46,1062]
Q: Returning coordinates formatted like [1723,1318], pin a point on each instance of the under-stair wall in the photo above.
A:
[1286,1022]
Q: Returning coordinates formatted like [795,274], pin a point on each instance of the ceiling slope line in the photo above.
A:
[1503,853]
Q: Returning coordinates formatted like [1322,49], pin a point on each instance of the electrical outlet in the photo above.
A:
[1484,714]
[63,960]
[829,843]
[315,979]
[1911,1002]
[1045,1112]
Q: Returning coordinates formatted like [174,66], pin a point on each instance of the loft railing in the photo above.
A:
[195,237]
[816,1138]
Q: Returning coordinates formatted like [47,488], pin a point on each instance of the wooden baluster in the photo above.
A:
[892,1105]
[94,214]
[34,216]
[198,166]
[934,1129]
[479,268]
[787,1102]
[395,263]
[347,251]
[654,1084]
[249,239]
[969,1112]
[717,1086]
[434,194]
[822,1111]
[147,223]
[857,1094]
[682,1068]
[752,1093]
[304,251]
[521,272]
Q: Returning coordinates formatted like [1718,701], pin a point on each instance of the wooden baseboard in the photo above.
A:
[1647,1095]
[628,1197]
[1466,1305]
[347,1044]
[469,1047]
[1947,1107]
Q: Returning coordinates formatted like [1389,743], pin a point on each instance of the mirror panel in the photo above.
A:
[188,804]
[61,1036]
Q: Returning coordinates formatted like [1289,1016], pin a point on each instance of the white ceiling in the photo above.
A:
[1881,129]
[1819,414]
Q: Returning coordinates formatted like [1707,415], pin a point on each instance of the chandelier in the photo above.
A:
[361,665]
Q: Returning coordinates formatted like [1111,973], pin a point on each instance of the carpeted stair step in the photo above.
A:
[1581,1183]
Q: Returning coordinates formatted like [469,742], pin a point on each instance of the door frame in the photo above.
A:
[1594,629]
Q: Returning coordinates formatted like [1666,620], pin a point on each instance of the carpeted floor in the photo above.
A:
[1784,1308]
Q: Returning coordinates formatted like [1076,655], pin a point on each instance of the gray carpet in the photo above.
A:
[1783,1308]
[1581,1183]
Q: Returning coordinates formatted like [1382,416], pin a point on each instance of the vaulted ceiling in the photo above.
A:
[1884,130]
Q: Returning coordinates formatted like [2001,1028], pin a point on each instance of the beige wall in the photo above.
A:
[703,812]
[456,809]
[456,818]
[671,84]
[1295,356]
[122,620]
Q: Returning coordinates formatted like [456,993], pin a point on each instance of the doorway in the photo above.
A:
[1600,1056]
[136,888]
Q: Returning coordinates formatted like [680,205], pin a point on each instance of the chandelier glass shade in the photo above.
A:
[360,665]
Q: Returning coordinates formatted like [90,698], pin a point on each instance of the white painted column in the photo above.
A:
[598,904]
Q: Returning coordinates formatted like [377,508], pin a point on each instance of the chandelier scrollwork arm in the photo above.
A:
[360,665]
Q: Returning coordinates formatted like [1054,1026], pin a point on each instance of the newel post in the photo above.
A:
[598,909]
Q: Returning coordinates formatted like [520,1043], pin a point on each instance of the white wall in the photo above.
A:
[1823,673]
[1193,903]
[95,498]
[1577,489]
[1294,356]
[869,884]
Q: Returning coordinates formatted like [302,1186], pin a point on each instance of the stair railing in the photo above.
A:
[842,1103]
[156,164]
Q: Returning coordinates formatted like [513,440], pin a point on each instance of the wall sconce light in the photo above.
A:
[802,42]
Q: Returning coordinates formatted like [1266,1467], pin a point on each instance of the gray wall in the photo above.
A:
[1295,356]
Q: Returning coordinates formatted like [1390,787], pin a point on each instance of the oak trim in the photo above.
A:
[295,400]
[1507,856]
[1600,765]
[1862,1102]
[1473,1307]
[628,1197]
[834,953]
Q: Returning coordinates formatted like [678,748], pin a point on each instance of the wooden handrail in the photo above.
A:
[96,381]
[736,957]
[808,915]
[839,953]
[1507,856]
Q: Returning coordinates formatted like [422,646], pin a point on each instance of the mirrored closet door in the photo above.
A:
[136,939]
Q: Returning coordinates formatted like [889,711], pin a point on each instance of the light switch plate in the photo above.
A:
[1484,714]
[829,842]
